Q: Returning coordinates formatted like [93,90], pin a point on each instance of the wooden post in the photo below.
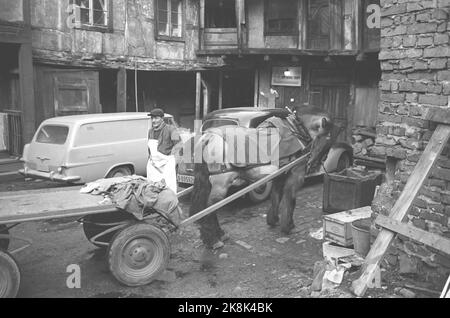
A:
[256,96]
[198,96]
[202,25]
[240,18]
[27,91]
[205,98]
[220,89]
[122,90]
[302,25]
[384,239]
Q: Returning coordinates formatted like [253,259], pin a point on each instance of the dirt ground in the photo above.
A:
[257,262]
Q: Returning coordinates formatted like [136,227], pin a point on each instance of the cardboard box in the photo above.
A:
[337,227]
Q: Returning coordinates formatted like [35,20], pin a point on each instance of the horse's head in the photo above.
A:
[316,121]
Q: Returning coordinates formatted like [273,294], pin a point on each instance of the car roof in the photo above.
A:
[92,118]
[245,115]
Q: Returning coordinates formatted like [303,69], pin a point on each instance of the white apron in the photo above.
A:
[161,167]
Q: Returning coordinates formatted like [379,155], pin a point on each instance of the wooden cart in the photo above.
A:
[138,251]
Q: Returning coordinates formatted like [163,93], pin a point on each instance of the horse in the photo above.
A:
[212,181]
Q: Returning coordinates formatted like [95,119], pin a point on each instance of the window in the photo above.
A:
[281,17]
[93,13]
[220,14]
[50,134]
[71,99]
[319,24]
[169,18]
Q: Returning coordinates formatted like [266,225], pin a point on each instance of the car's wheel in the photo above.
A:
[96,224]
[260,194]
[344,162]
[9,276]
[4,242]
[120,172]
[138,254]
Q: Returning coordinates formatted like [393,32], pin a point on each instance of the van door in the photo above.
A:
[48,150]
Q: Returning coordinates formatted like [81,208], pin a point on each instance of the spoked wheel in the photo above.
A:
[138,254]
[95,224]
[9,276]
[4,242]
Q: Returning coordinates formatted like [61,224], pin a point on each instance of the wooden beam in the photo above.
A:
[122,90]
[435,146]
[198,97]
[205,98]
[433,240]
[439,115]
[26,79]
[220,106]
[201,32]
[256,89]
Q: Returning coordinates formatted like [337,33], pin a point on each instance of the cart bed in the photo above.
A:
[38,205]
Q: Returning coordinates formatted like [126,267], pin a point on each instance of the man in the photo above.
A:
[162,139]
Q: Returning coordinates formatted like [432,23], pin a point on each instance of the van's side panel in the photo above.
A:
[98,147]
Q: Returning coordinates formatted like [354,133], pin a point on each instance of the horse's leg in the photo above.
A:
[275,197]
[293,183]
[210,229]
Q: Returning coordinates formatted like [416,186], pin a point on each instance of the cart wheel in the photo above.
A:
[98,223]
[4,243]
[9,276]
[138,254]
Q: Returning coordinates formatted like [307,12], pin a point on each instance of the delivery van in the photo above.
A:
[84,148]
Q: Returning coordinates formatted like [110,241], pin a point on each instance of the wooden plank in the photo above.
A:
[26,79]
[433,240]
[423,168]
[220,89]
[198,96]
[246,190]
[439,115]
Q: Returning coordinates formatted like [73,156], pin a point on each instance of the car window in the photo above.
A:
[214,123]
[111,132]
[53,134]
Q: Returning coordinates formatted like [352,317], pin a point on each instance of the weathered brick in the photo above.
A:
[439,14]
[434,88]
[425,41]
[412,97]
[394,9]
[420,65]
[440,51]
[439,63]
[446,88]
[419,223]
[419,87]
[443,3]
[396,152]
[443,75]
[409,40]
[441,38]
[395,98]
[436,100]
[422,28]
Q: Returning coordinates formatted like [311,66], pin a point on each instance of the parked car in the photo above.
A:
[84,148]
[337,156]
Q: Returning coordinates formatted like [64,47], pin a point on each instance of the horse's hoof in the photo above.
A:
[287,230]
[272,222]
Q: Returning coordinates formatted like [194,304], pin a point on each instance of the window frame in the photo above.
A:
[108,27]
[268,32]
[309,38]
[183,22]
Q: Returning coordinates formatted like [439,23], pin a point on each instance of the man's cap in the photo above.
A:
[157,112]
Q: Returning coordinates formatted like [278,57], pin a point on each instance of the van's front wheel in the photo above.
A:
[120,172]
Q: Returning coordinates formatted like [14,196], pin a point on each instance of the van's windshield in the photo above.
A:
[53,134]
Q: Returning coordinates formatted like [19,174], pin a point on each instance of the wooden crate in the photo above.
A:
[337,227]
[349,190]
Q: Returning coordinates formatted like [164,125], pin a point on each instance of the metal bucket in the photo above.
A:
[361,236]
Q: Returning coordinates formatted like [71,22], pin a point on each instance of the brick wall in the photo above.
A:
[415,62]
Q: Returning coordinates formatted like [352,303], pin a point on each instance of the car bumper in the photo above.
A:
[53,176]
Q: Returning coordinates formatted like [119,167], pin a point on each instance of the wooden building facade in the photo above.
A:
[293,52]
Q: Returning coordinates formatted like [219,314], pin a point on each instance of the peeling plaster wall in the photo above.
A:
[131,41]
[11,11]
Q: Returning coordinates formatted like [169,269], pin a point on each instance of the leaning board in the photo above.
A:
[55,203]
